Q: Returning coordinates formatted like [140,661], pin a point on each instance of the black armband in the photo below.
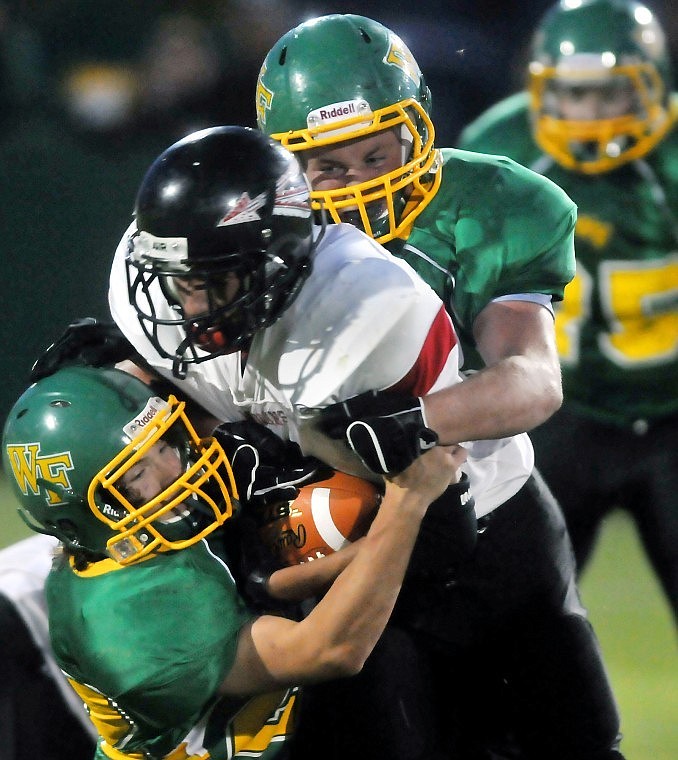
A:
[256,588]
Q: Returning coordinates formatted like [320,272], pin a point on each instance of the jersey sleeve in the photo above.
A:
[436,364]
[516,235]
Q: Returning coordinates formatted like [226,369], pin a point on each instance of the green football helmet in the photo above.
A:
[70,439]
[617,49]
[340,77]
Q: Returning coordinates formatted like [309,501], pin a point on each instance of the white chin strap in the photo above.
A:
[406,141]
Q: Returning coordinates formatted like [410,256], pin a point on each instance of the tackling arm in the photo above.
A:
[299,582]
[341,631]
[518,389]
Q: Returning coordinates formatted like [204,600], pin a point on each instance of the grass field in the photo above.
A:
[634,626]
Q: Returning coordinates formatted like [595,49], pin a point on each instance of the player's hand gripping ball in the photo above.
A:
[324,517]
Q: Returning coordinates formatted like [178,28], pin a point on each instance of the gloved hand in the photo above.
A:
[267,469]
[387,431]
[85,341]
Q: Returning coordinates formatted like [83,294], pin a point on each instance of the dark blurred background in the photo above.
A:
[92,90]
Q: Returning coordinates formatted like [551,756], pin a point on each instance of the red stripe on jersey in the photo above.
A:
[441,339]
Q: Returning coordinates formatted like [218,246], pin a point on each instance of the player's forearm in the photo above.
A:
[294,584]
[347,623]
[514,395]
[340,632]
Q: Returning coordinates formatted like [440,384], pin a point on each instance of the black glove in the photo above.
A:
[267,469]
[386,430]
[85,341]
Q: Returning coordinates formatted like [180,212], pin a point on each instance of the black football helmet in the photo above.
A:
[223,202]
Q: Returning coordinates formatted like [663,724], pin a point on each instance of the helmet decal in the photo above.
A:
[245,210]
[339,112]
[30,467]
[264,97]
[399,55]
[170,250]
[292,195]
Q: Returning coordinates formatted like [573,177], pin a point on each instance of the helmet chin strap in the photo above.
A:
[179,362]
[406,141]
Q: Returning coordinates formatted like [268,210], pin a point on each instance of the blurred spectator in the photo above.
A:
[180,73]
[100,97]
[22,81]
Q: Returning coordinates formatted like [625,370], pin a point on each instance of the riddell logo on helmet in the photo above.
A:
[340,112]
[337,110]
[153,408]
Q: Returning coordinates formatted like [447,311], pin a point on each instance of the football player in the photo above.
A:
[226,288]
[598,117]
[144,616]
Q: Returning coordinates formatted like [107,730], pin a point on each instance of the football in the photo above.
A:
[325,516]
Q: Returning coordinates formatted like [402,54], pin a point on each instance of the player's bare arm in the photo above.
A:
[338,635]
[519,389]
[302,581]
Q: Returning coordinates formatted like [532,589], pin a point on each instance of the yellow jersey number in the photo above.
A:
[639,301]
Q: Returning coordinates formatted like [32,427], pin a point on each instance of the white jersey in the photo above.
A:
[363,320]
[23,569]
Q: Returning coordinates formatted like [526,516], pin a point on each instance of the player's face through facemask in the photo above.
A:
[151,474]
[153,477]
[587,102]
[595,121]
[353,163]
[199,298]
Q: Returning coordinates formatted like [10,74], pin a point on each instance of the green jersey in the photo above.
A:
[493,229]
[147,653]
[617,328]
